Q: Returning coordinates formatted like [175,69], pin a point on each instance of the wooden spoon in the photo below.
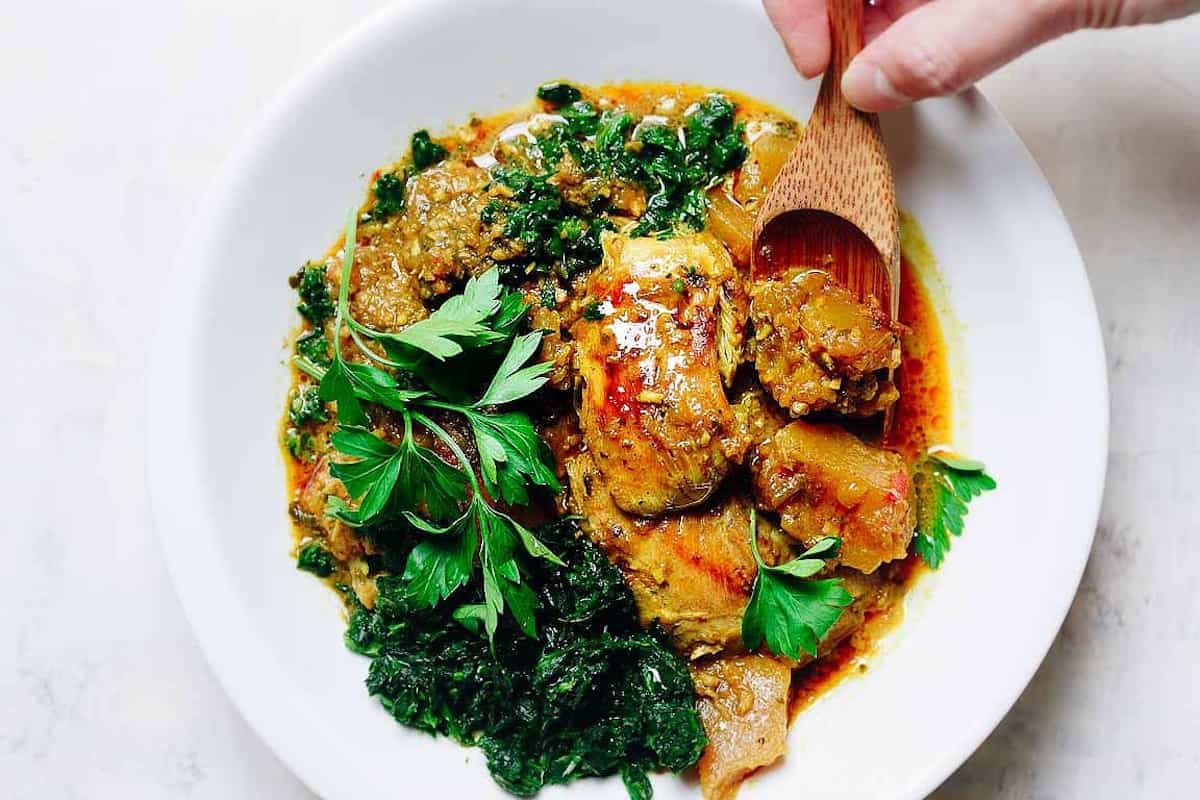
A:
[833,205]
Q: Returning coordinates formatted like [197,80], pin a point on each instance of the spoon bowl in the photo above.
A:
[833,204]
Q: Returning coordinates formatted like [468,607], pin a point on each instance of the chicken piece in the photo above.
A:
[438,238]
[383,294]
[654,367]
[743,703]
[819,348]
[692,572]
[554,350]
[757,416]
[824,481]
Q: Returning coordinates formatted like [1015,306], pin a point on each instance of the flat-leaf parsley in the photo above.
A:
[788,611]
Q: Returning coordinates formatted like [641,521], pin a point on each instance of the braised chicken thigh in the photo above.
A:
[654,356]
[691,572]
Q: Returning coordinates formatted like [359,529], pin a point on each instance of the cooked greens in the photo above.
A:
[389,195]
[592,694]
[425,151]
[314,347]
[552,235]
[552,232]
[306,406]
[315,303]
[558,93]
[317,560]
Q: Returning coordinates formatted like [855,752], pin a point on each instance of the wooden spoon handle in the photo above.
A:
[846,41]
[846,30]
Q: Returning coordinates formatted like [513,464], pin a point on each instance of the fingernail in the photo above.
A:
[866,86]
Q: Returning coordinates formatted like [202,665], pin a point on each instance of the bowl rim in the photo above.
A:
[163,451]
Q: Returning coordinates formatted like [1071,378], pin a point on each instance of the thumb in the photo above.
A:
[945,45]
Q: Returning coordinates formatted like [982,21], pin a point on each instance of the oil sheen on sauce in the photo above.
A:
[923,418]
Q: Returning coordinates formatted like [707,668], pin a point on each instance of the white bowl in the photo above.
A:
[1035,395]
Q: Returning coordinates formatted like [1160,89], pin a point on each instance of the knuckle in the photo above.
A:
[930,67]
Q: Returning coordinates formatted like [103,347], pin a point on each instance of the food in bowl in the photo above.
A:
[596,502]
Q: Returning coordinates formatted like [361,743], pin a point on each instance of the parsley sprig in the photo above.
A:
[788,610]
[442,499]
[944,486]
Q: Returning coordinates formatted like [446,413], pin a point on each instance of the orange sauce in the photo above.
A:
[923,418]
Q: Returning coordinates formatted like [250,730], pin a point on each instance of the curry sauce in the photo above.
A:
[618,220]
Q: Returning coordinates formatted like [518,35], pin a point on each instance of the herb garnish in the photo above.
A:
[314,347]
[944,486]
[409,482]
[552,235]
[787,610]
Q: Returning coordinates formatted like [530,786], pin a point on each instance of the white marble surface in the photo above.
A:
[115,117]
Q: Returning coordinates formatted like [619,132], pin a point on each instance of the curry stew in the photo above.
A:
[596,502]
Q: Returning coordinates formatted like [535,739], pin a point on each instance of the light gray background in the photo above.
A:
[114,118]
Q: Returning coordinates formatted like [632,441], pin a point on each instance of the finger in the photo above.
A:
[1132,12]
[804,28]
[944,46]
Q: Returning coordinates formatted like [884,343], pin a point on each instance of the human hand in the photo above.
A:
[928,48]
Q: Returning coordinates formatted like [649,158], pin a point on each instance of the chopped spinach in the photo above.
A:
[593,694]
[593,311]
[298,443]
[317,560]
[425,151]
[315,303]
[314,347]
[674,164]
[389,195]
[306,407]
[558,93]
[549,234]
[677,166]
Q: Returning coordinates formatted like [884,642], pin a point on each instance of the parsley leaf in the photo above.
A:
[440,570]
[347,384]
[444,501]
[511,454]
[430,485]
[787,611]
[944,486]
[370,479]
[512,382]
[457,324]
[441,563]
